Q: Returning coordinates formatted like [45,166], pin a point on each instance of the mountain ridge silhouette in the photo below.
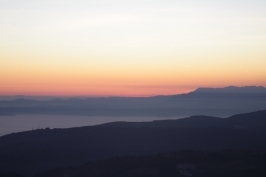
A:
[210,101]
[34,151]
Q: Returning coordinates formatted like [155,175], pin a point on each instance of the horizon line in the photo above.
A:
[125,96]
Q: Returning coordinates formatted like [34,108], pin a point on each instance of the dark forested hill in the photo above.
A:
[249,121]
[34,151]
[226,163]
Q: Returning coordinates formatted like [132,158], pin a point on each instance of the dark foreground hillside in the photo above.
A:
[35,151]
[227,163]
[10,175]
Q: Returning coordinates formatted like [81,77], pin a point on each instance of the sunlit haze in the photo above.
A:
[130,48]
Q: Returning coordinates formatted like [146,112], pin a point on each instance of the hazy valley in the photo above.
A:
[43,148]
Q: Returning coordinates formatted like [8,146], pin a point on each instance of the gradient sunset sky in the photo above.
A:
[130,48]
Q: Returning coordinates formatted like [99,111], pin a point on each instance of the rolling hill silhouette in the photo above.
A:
[34,151]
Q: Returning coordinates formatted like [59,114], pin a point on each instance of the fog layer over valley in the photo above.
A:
[221,102]
[19,123]
[205,126]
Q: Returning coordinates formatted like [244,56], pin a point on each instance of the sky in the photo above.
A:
[130,48]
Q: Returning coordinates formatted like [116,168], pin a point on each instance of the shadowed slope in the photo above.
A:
[37,150]
[229,163]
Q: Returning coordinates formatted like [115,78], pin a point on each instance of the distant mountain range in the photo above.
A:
[203,101]
[233,89]
[38,150]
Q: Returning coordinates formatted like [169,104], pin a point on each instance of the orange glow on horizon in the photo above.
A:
[115,86]
[131,81]
[109,48]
